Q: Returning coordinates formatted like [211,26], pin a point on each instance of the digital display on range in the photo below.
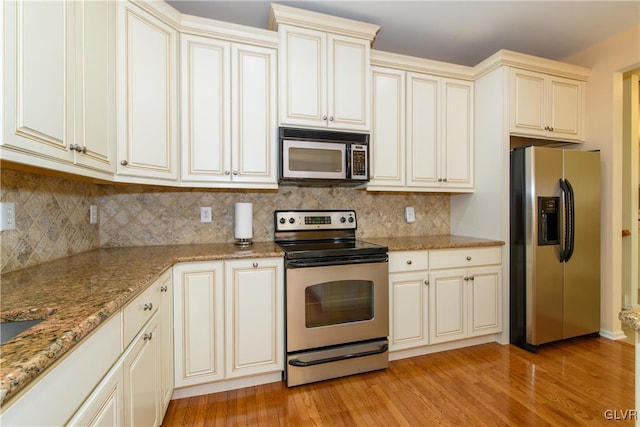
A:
[317,220]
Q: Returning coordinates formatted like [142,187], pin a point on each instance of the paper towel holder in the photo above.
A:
[243,224]
[243,242]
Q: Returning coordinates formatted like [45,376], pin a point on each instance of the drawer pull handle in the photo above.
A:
[468,258]
[163,288]
[148,306]
[409,262]
[147,336]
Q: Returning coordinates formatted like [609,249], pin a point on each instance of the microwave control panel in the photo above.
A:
[359,162]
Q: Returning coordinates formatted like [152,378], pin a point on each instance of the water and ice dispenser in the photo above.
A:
[548,221]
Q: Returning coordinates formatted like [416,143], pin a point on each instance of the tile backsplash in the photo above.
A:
[53,214]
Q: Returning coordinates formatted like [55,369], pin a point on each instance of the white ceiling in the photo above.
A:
[459,32]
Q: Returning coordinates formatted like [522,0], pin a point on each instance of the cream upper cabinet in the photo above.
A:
[388,146]
[147,96]
[422,137]
[324,69]
[229,121]
[59,81]
[546,106]
[324,79]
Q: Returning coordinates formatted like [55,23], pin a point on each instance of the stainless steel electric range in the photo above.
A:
[337,297]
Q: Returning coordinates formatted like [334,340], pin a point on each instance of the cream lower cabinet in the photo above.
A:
[228,319]
[137,389]
[546,106]
[408,299]
[229,116]
[464,301]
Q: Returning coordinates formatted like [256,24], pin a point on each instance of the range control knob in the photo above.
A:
[351,219]
[291,220]
[282,220]
[343,219]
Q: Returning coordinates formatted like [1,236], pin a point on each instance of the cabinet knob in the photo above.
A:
[324,117]
[409,262]
[439,179]
[255,265]
[148,306]
[163,288]
[472,278]
[227,172]
[73,147]
[124,162]
[444,179]
[331,118]
[147,336]
[468,258]
[426,282]
[235,172]
[465,278]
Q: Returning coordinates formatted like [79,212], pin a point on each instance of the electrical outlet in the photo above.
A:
[7,216]
[93,214]
[205,214]
[409,214]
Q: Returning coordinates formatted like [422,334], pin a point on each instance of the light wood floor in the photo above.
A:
[567,384]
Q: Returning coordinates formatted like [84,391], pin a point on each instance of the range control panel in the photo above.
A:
[315,220]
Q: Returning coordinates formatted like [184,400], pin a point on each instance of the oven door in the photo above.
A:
[336,304]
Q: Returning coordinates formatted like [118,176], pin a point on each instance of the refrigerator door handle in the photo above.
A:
[569,222]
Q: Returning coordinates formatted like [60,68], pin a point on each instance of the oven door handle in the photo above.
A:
[299,363]
[336,261]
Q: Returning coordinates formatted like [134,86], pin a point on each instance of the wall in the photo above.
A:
[53,215]
[52,218]
[608,61]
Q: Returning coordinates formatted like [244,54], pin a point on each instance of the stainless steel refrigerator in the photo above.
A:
[555,245]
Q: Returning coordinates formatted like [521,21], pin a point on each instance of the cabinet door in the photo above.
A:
[566,108]
[254,316]
[39,77]
[254,130]
[348,82]
[485,300]
[388,128]
[147,122]
[408,311]
[165,287]
[447,305]
[423,130]
[105,406]
[528,103]
[206,104]
[457,134]
[199,322]
[302,76]
[141,378]
[95,92]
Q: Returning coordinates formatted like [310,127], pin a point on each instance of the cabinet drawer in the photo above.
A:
[467,257]
[139,311]
[408,261]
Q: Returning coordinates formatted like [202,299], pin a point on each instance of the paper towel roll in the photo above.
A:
[243,225]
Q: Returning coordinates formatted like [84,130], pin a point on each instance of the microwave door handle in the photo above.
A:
[347,160]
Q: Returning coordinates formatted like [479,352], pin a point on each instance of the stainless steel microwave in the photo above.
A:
[320,157]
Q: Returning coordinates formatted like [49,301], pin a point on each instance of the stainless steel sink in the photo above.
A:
[9,330]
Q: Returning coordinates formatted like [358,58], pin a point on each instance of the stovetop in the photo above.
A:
[321,233]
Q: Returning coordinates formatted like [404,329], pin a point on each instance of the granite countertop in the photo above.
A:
[432,242]
[631,317]
[76,294]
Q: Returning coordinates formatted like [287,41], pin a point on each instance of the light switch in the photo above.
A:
[205,214]
[7,216]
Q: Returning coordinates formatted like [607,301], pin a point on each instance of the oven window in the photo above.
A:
[315,160]
[336,302]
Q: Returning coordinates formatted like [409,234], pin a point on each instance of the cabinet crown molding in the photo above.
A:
[532,63]
[280,14]
[421,65]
